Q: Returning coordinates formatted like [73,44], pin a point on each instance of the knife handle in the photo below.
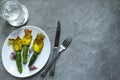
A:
[49,65]
[52,70]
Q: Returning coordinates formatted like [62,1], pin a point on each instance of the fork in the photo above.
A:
[63,47]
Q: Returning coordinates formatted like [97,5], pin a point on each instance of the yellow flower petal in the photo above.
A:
[27,37]
[38,43]
[17,44]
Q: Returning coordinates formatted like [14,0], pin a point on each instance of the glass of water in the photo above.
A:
[13,12]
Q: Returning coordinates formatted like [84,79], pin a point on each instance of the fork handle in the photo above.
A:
[52,70]
[49,65]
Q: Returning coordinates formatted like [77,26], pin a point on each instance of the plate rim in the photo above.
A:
[27,26]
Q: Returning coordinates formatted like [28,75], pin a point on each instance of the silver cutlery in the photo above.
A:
[63,47]
[55,50]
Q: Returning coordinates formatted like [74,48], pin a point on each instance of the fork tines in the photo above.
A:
[67,41]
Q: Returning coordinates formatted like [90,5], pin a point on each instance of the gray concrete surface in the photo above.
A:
[94,53]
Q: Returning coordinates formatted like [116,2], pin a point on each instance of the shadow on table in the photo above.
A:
[7,29]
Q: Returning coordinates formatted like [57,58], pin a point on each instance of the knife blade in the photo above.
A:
[55,49]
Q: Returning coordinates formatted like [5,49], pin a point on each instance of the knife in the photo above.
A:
[55,49]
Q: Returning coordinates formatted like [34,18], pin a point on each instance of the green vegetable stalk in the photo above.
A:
[25,53]
[33,58]
[18,61]
[38,44]
[26,43]
[17,47]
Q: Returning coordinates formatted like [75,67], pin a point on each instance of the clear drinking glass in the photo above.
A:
[13,12]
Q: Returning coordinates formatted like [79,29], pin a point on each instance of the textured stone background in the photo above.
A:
[94,53]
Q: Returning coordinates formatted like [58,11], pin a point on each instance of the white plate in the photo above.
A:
[10,65]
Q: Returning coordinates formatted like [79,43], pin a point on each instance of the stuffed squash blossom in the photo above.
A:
[37,46]
[17,47]
[27,38]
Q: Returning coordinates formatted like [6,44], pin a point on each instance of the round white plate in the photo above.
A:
[10,65]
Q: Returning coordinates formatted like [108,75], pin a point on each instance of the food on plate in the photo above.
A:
[13,56]
[27,38]
[32,67]
[22,46]
[37,46]
[17,47]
